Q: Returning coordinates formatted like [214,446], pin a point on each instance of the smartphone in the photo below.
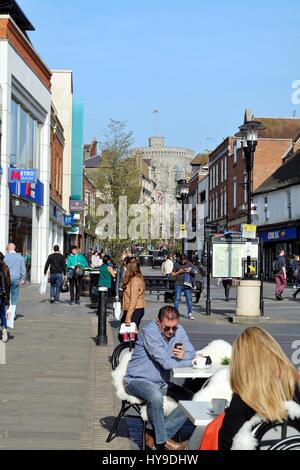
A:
[178,345]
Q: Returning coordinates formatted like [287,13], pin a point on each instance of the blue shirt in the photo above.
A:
[16,265]
[152,359]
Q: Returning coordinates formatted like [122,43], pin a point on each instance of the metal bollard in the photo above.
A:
[101,339]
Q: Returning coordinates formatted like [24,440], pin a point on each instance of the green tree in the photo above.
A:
[118,174]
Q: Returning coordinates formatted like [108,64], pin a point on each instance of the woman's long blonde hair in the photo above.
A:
[261,374]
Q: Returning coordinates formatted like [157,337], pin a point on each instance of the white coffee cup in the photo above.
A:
[199,362]
[218,405]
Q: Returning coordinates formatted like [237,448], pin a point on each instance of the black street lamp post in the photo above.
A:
[182,193]
[249,134]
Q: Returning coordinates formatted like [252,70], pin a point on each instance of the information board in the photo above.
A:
[228,257]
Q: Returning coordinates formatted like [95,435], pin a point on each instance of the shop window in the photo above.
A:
[25,138]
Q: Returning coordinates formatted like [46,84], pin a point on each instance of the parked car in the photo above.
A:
[157,259]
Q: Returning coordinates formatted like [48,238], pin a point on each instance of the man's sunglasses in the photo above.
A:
[169,328]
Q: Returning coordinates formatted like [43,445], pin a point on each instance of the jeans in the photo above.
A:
[280,284]
[168,281]
[56,283]
[14,290]
[3,313]
[188,295]
[153,395]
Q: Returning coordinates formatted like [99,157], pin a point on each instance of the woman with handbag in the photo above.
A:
[4,297]
[76,265]
[133,295]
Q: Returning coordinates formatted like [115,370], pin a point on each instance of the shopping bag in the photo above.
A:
[117,311]
[128,333]
[43,286]
[11,312]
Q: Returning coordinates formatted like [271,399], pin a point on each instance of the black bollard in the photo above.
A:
[101,339]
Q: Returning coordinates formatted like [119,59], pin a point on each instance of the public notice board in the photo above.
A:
[227,259]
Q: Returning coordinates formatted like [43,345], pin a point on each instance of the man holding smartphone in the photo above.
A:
[162,345]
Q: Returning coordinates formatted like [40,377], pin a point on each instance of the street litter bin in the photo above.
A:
[85,285]
[94,280]
[248,298]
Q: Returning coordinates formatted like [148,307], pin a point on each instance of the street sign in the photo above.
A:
[248,231]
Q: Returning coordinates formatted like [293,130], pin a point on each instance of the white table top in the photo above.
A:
[197,411]
[193,373]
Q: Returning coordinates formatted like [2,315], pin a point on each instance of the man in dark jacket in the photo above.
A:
[57,265]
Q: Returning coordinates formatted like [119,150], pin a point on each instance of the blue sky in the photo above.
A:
[200,62]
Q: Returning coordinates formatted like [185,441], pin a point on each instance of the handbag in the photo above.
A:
[65,285]
[79,272]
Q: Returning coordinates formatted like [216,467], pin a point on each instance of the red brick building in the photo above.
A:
[227,169]
[56,162]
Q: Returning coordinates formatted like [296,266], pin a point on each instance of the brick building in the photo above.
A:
[57,144]
[227,169]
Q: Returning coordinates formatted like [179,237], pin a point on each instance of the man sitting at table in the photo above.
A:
[148,375]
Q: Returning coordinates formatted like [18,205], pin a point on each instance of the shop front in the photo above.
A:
[273,240]
[25,203]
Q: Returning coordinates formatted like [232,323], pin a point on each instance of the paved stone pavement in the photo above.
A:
[55,390]
[56,385]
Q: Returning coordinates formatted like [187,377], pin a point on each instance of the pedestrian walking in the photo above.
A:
[57,264]
[96,261]
[295,266]
[227,284]
[4,297]
[17,271]
[133,295]
[201,273]
[107,273]
[279,269]
[180,270]
[167,269]
[75,267]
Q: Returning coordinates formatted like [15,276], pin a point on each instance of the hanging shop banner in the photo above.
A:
[17,175]
[30,192]
[69,220]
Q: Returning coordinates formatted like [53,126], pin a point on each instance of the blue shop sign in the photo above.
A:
[69,220]
[21,175]
[30,192]
[279,235]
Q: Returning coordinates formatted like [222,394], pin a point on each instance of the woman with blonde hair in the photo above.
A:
[262,379]
[133,294]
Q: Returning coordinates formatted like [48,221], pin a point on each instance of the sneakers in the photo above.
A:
[52,301]
[4,335]
[190,316]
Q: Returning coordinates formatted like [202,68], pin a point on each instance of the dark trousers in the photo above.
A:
[75,285]
[227,283]
[136,316]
